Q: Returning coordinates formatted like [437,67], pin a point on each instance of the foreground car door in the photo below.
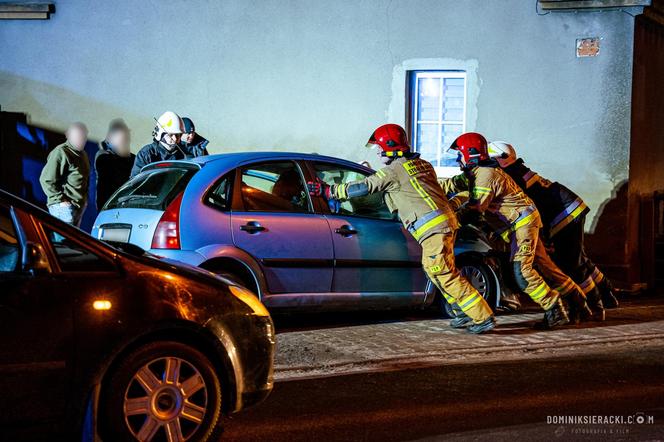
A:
[275,223]
[374,255]
[35,329]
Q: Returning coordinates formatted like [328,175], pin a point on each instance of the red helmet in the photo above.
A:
[392,140]
[472,146]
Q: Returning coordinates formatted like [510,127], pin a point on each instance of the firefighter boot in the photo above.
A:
[555,316]
[460,320]
[596,305]
[609,299]
[483,327]
[577,308]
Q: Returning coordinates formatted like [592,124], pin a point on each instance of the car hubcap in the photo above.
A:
[476,278]
[165,400]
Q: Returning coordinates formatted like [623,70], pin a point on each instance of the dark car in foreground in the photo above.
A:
[97,340]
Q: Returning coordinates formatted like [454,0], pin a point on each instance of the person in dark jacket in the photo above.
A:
[113,161]
[563,214]
[191,140]
[166,144]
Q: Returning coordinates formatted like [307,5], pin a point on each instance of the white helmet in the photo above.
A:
[168,123]
[503,152]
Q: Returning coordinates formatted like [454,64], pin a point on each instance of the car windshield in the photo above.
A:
[152,189]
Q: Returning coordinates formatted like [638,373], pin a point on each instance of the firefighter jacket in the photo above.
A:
[558,206]
[411,190]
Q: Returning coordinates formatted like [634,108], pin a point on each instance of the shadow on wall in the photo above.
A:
[607,245]
[54,108]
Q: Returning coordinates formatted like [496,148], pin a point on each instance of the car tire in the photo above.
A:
[481,276]
[162,387]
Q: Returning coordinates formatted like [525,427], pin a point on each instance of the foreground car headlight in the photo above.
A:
[250,299]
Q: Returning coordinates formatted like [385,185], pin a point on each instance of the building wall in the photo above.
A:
[318,76]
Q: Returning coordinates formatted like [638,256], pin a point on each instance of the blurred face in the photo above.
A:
[120,142]
[77,136]
[188,137]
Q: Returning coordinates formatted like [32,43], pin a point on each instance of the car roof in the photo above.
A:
[13,200]
[238,157]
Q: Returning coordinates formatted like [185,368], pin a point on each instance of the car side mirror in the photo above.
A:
[34,259]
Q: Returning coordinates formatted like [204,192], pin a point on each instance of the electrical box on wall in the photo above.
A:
[587,47]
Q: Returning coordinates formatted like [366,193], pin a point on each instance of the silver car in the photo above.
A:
[249,217]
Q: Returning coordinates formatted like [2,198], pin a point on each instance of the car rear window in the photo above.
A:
[152,189]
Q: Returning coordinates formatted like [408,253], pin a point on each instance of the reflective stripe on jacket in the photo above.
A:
[492,190]
[411,189]
[558,205]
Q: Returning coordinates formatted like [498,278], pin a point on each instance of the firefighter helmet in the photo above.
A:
[391,139]
[168,123]
[503,152]
[472,148]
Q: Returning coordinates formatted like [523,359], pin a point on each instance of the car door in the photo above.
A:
[273,220]
[36,328]
[374,255]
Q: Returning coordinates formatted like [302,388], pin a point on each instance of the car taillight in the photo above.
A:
[167,233]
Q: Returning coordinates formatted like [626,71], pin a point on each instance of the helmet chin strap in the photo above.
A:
[170,147]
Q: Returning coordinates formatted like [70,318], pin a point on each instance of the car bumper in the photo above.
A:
[250,351]
[186,256]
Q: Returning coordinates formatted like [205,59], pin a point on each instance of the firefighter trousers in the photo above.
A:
[570,255]
[527,250]
[438,263]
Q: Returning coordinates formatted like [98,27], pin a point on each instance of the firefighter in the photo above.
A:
[563,214]
[494,192]
[166,143]
[411,189]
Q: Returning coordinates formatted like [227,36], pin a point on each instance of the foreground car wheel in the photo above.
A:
[481,276]
[164,391]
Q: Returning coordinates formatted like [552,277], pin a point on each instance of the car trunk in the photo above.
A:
[134,211]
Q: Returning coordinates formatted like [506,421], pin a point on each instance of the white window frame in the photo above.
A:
[442,75]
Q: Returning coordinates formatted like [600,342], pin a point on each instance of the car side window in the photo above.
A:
[370,206]
[220,195]
[9,244]
[74,258]
[274,187]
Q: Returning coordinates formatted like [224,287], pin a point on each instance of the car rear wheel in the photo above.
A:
[163,391]
[481,276]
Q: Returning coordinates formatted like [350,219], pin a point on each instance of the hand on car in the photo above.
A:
[319,188]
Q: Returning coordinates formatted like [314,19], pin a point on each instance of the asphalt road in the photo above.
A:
[491,401]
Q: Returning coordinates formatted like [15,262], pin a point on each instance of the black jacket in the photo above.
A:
[154,152]
[112,172]
[551,198]
[198,146]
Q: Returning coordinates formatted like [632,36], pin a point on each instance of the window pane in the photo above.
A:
[428,100]
[220,196]
[74,258]
[449,134]
[9,247]
[427,142]
[274,187]
[371,206]
[154,189]
[453,99]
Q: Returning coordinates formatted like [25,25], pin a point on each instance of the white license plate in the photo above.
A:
[118,235]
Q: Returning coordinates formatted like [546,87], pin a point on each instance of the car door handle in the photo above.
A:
[252,227]
[345,230]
